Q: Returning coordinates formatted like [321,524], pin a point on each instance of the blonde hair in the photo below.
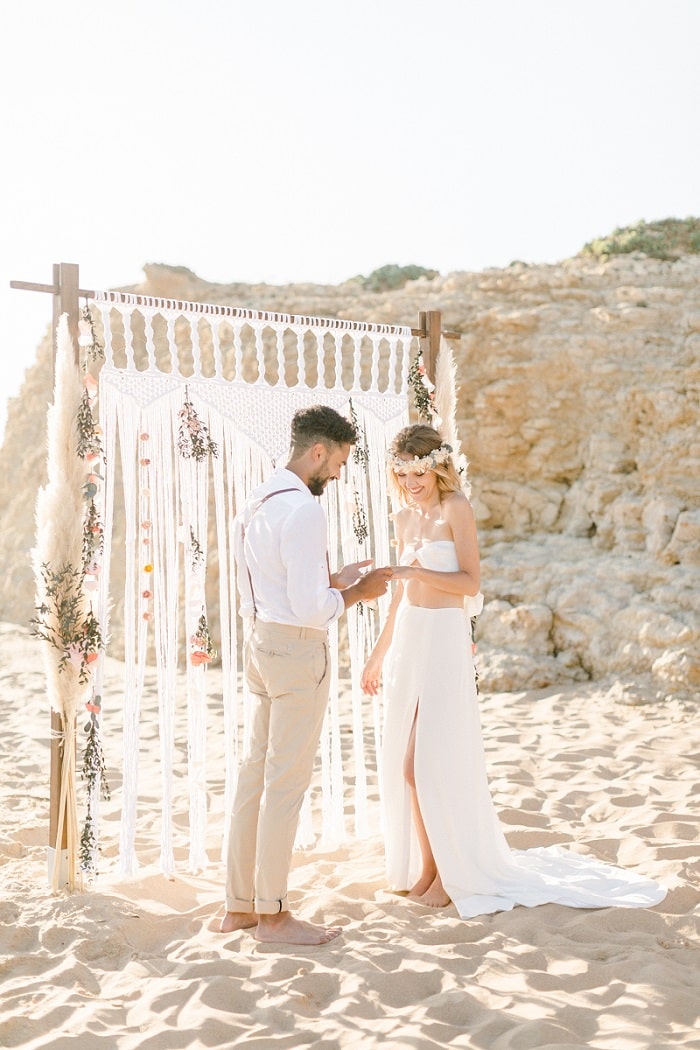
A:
[420,440]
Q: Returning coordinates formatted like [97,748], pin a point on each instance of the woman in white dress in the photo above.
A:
[443,840]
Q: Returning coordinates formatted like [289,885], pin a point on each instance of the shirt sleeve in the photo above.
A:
[246,607]
[305,555]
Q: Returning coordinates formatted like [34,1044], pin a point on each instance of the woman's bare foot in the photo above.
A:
[423,885]
[238,920]
[435,896]
[285,929]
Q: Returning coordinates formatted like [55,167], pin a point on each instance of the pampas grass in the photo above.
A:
[445,402]
[58,557]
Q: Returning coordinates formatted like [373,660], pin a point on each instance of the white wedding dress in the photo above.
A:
[430,676]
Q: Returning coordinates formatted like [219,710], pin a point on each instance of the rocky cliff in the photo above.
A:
[578,410]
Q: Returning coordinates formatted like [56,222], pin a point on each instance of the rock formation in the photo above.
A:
[578,411]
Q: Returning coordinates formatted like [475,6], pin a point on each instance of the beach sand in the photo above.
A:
[138,963]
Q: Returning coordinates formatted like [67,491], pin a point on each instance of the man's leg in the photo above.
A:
[242,838]
[297,680]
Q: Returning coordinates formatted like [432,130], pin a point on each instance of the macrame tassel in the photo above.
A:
[332,786]
[222,471]
[128,424]
[160,599]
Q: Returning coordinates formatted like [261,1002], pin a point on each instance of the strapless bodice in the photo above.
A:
[441,556]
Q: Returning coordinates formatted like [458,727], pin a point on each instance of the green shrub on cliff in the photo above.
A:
[391,276]
[665,239]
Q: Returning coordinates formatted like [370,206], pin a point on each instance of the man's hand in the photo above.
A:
[369,586]
[349,574]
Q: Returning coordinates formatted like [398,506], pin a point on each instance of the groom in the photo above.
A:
[290,599]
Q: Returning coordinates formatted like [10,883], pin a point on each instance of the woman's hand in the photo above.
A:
[371,675]
[403,572]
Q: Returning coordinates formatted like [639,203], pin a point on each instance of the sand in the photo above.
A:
[138,963]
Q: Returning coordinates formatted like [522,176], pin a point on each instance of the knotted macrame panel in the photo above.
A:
[196,402]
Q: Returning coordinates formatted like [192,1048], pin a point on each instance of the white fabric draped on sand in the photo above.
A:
[243,374]
[430,677]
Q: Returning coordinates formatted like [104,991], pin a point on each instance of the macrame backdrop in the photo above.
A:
[196,402]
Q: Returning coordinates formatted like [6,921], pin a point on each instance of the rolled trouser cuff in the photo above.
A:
[274,907]
[237,904]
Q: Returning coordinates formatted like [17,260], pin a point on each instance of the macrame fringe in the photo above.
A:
[235,378]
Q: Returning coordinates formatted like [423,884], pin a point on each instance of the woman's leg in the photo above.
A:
[429,889]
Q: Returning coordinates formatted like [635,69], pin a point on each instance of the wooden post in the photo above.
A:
[430,324]
[65,301]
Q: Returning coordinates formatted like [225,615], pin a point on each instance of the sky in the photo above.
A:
[309,140]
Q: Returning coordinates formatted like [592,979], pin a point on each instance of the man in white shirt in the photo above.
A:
[287,592]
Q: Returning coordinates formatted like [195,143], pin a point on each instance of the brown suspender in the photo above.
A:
[277,492]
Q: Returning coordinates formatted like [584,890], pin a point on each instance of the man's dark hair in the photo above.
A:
[319,423]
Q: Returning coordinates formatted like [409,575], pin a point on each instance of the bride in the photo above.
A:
[444,842]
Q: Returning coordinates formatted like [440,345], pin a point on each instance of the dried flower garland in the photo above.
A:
[63,622]
[472,621]
[66,618]
[423,389]
[201,646]
[359,519]
[94,773]
[87,337]
[196,551]
[94,769]
[193,440]
[360,453]
[145,524]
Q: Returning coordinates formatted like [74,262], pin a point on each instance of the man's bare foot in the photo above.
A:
[238,920]
[285,929]
[435,896]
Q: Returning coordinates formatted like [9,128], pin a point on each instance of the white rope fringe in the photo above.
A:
[245,373]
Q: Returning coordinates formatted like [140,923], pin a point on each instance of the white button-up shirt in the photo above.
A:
[282,543]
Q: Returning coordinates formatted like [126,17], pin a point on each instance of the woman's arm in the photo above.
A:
[371,673]
[369,680]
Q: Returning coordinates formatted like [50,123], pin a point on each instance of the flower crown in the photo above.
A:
[419,465]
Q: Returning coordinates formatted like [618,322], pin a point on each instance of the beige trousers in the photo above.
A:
[288,673]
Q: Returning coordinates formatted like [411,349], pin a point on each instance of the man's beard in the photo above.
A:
[316,484]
